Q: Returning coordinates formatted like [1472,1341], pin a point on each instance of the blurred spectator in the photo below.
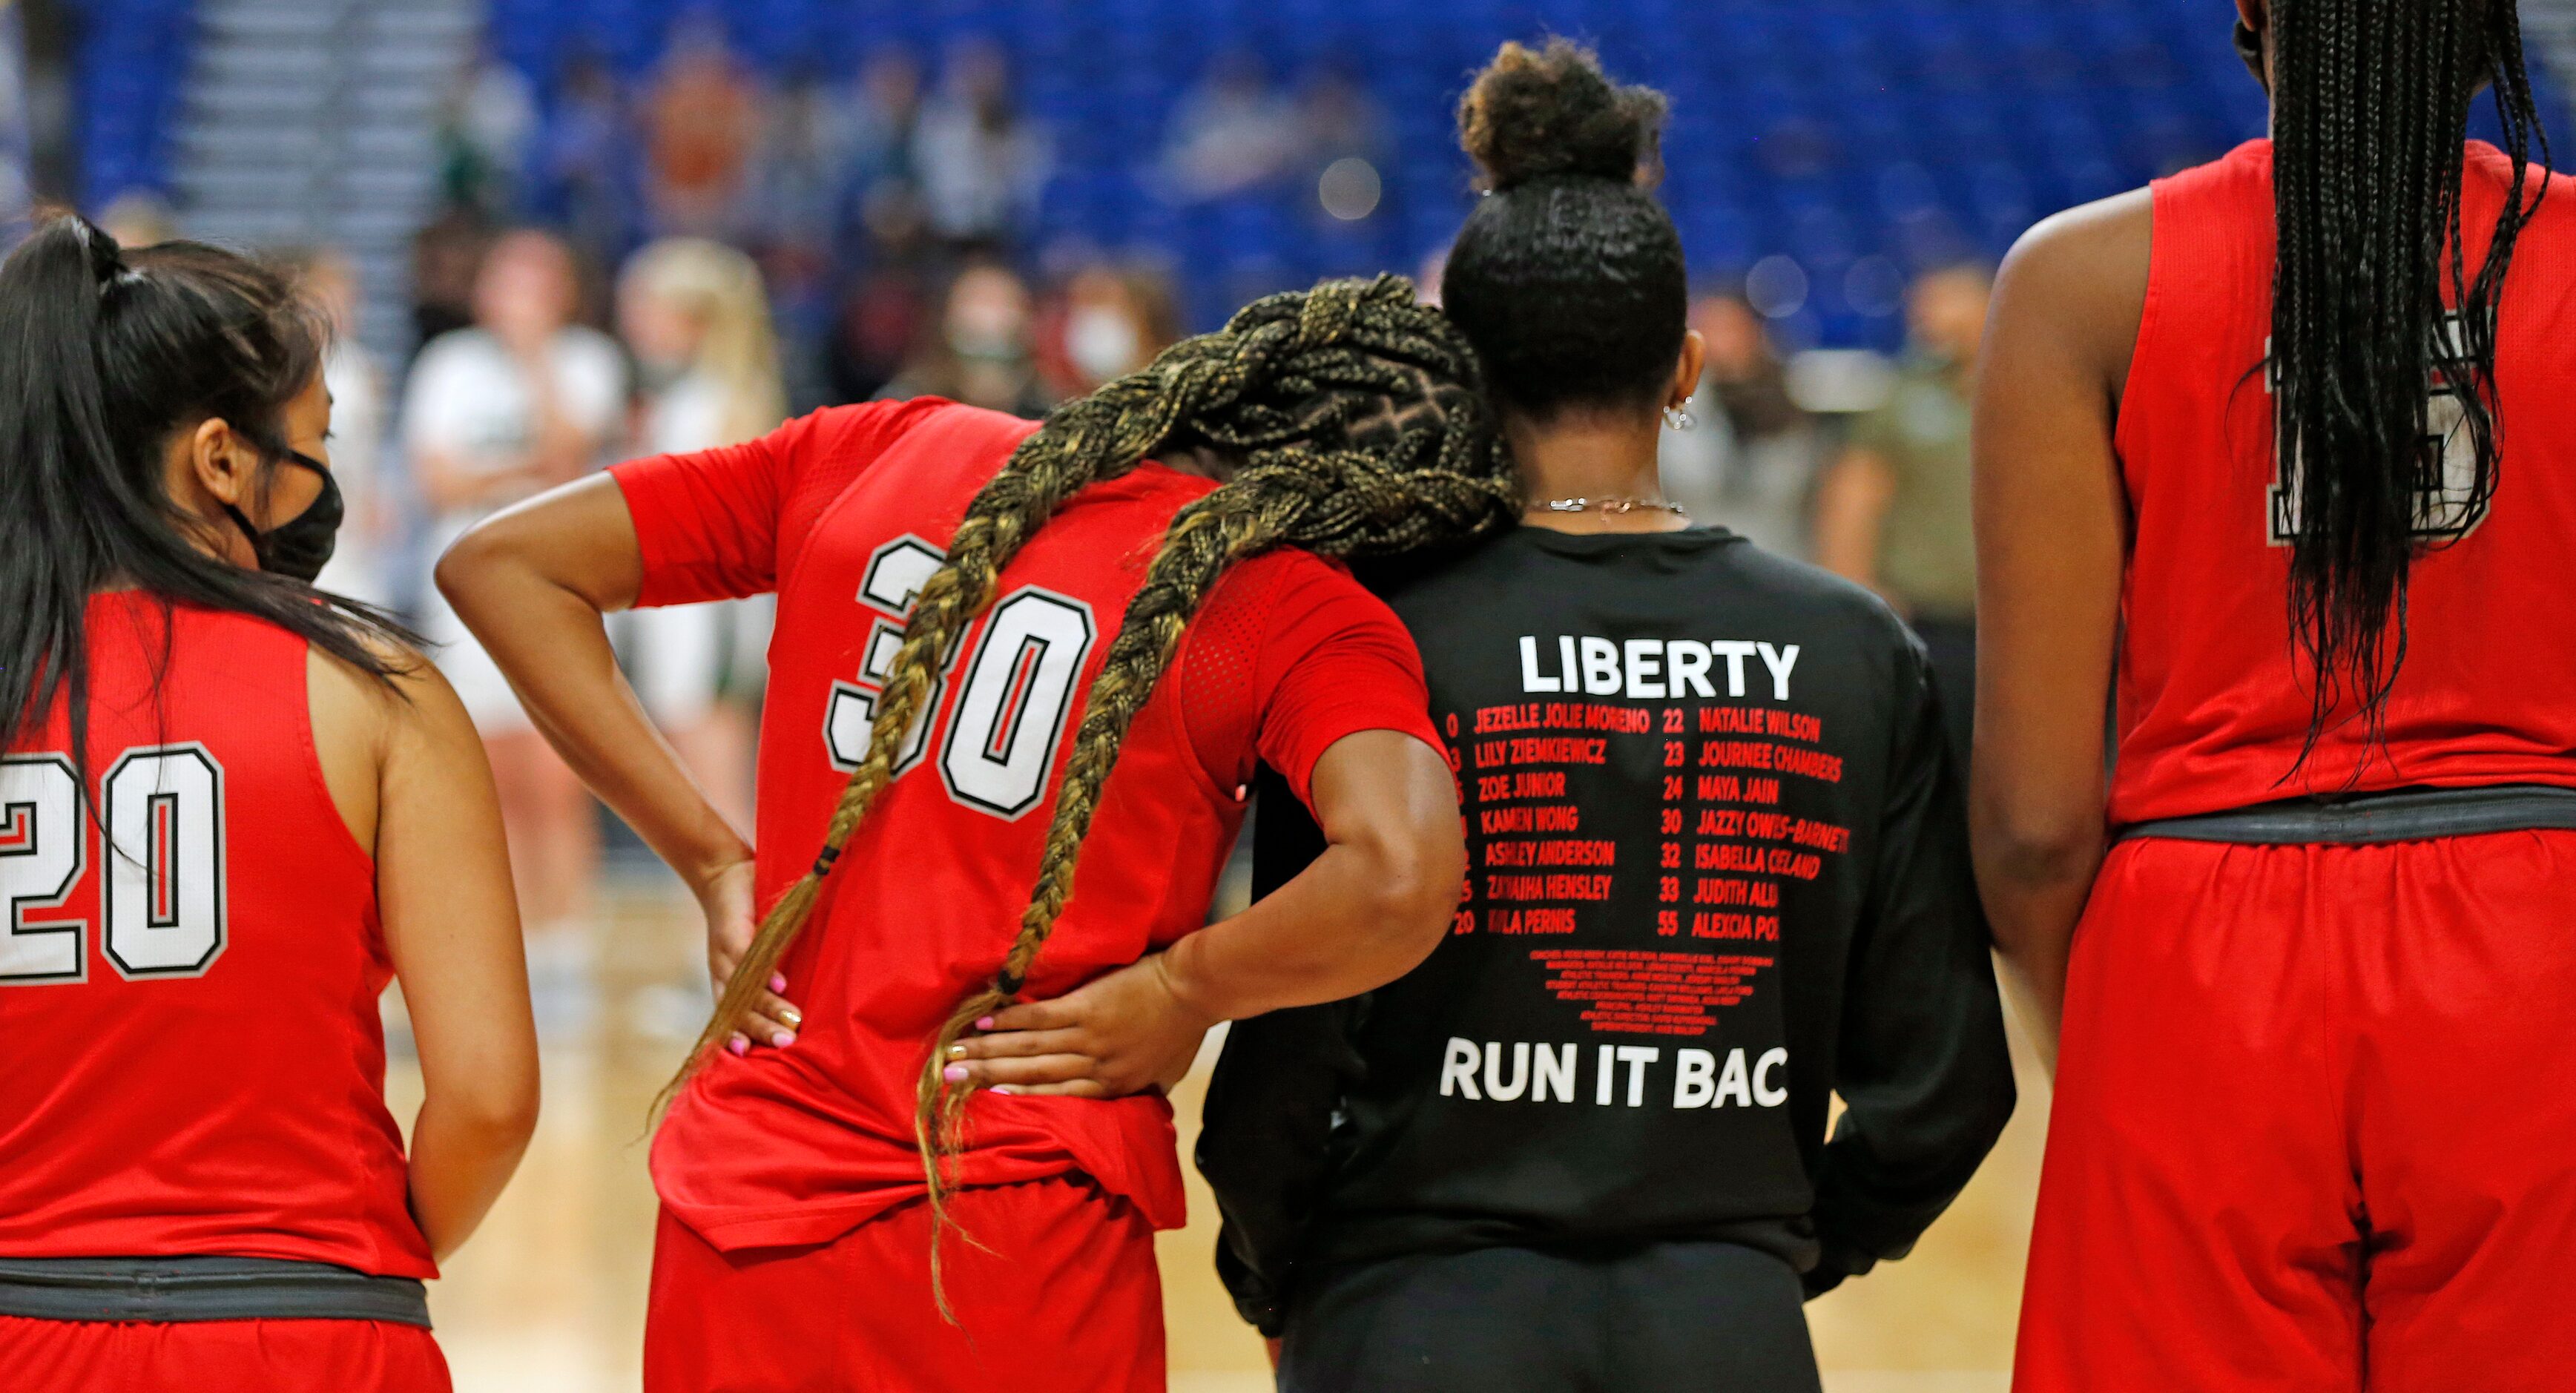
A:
[1109,322]
[524,400]
[356,382]
[1749,464]
[1340,119]
[883,114]
[977,351]
[1894,512]
[1232,133]
[880,321]
[584,159]
[694,314]
[444,258]
[798,199]
[485,125]
[701,118]
[139,218]
[981,165]
[804,160]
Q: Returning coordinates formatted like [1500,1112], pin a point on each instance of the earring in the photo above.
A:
[1677,418]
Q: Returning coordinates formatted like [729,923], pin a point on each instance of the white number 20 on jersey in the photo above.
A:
[1010,715]
[162,897]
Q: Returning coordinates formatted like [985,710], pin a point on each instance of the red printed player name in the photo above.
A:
[1547,887]
[1545,749]
[1494,788]
[1754,754]
[1642,993]
[1566,853]
[1562,715]
[1772,827]
[1760,720]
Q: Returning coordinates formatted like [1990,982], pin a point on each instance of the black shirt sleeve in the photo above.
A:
[1265,1138]
[1922,1064]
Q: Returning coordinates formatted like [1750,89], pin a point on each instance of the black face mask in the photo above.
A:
[301,547]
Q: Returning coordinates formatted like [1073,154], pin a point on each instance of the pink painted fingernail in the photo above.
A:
[783,1039]
[738,1045]
[778,981]
[984,1024]
[954,1073]
[1002,1088]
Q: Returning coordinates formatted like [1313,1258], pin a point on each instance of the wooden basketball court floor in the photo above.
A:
[549,1297]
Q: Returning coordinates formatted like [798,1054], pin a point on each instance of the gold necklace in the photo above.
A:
[1610,506]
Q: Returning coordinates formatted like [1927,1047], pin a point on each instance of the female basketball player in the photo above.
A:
[2283,442]
[1721,874]
[980,619]
[231,809]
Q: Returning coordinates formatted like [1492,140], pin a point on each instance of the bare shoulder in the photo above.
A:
[360,720]
[2078,280]
[2091,239]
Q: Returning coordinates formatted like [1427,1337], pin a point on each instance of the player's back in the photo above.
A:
[189,983]
[926,896]
[2214,701]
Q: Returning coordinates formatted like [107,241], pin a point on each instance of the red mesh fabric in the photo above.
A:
[1288,655]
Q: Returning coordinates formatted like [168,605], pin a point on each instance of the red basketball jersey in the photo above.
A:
[2213,698]
[845,514]
[188,986]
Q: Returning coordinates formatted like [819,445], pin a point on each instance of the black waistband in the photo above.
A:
[204,1288]
[2403,815]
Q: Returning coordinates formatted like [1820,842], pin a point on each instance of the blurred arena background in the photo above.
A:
[562,232]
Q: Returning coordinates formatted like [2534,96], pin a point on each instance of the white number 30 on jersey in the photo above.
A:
[1010,715]
[162,897]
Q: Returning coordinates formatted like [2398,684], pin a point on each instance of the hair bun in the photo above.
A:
[1555,112]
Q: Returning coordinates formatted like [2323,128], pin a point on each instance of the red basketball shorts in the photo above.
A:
[219,1356]
[1067,1298]
[2315,1124]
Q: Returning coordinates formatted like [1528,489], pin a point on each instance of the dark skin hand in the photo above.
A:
[2052,543]
[1368,910]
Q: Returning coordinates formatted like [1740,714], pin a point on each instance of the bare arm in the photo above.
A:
[451,925]
[1368,910]
[2052,528]
[1851,509]
[535,584]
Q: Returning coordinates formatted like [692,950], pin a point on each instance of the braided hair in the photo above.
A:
[1358,418]
[2370,106]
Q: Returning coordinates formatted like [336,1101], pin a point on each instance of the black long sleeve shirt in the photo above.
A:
[1718,872]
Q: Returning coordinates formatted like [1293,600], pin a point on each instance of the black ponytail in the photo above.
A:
[106,355]
[2370,107]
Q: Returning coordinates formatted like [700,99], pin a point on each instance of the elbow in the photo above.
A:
[2036,851]
[504,1114]
[1416,886]
[466,559]
[491,1098]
